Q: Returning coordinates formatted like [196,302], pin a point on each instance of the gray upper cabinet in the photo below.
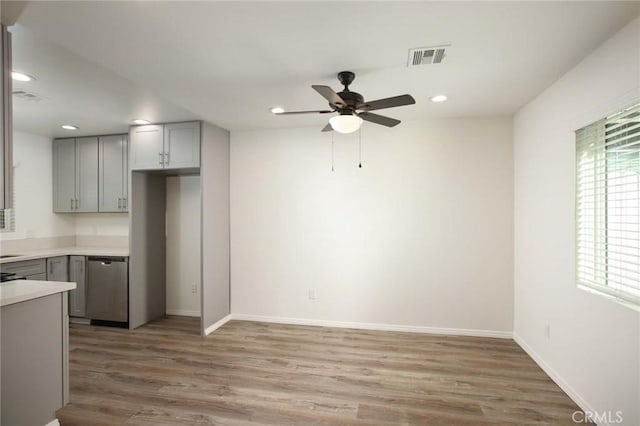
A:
[168,146]
[58,268]
[64,175]
[113,172]
[87,174]
[147,147]
[75,175]
[182,145]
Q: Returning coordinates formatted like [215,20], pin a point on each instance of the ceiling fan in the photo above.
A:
[352,108]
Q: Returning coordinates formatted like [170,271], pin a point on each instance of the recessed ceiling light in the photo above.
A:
[277,110]
[69,127]
[141,121]
[438,98]
[20,76]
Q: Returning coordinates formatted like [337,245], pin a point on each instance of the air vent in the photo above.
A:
[426,55]
[21,94]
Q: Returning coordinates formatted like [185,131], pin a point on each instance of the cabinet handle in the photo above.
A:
[166,159]
[71,204]
[119,203]
[161,160]
[125,202]
[77,204]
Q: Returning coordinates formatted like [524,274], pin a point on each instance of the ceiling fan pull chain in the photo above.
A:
[332,156]
[360,148]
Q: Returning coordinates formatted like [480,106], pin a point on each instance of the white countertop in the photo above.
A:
[22,290]
[66,251]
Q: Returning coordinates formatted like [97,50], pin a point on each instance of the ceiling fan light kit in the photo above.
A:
[352,108]
[345,123]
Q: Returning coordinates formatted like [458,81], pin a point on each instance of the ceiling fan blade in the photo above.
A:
[379,119]
[327,128]
[394,101]
[329,94]
[324,111]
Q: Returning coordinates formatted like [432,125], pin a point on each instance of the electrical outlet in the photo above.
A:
[312,294]
[547,331]
[194,288]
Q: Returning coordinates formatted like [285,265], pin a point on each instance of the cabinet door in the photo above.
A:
[64,178]
[111,171]
[87,174]
[77,297]
[182,145]
[37,277]
[125,173]
[146,147]
[58,268]
[26,268]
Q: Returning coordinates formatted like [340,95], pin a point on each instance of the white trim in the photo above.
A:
[183,312]
[216,325]
[553,374]
[53,422]
[375,326]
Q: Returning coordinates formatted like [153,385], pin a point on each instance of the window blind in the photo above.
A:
[608,206]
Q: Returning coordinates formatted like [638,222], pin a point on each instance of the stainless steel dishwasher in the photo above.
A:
[107,288]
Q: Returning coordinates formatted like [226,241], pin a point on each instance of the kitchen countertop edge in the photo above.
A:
[13,292]
[67,251]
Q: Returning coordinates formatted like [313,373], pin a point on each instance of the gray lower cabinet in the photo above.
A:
[113,171]
[30,269]
[77,297]
[75,175]
[58,268]
[165,146]
[38,277]
[35,350]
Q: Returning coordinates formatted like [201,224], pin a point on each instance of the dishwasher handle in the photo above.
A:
[106,260]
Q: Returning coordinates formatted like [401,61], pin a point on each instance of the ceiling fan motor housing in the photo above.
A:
[351,99]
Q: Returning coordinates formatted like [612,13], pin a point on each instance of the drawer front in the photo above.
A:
[26,267]
[38,277]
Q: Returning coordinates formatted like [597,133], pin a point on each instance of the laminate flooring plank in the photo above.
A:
[246,372]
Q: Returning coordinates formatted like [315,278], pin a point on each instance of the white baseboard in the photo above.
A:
[553,374]
[213,327]
[375,326]
[183,312]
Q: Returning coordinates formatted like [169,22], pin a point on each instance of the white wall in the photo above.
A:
[33,191]
[420,236]
[183,245]
[102,224]
[594,346]
[214,172]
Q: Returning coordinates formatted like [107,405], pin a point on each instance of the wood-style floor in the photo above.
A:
[165,373]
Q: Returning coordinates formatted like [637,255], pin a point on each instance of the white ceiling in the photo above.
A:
[76,91]
[229,62]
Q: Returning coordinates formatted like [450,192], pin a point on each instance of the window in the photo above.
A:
[608,207]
